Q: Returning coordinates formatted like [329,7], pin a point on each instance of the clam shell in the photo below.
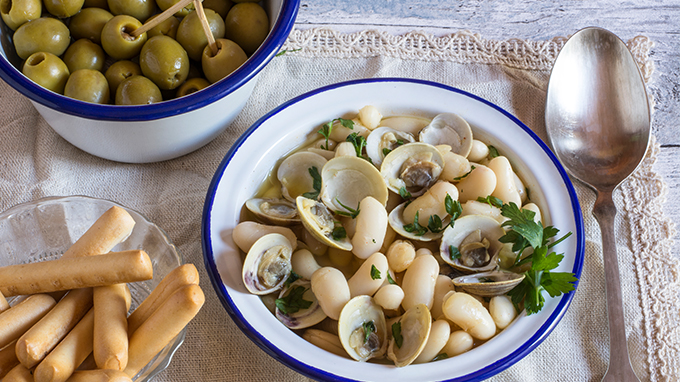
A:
[448,129]
[303,318]
[393,167]
[415,331]
[293,173]
[385,138]
[357,312]
[348,180]
[488,284]
[490,229]
[274,211]
[319,221]
[396,221]
[267,264]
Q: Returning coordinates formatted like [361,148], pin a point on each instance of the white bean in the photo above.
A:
[502,311]
[345,149]
[371,227]
[478,152]
[339,133]
[505,190]
[439,336]
[367,280]
[534,208]
[473,207]
[389,296]
[400,255]
[442,286]
[430,203]
[304,263]
[424,252]
[331,290]
[479,183]
[245,234]
[370,116]
[468,313]
[419,281]
[455,166]
[326,341]
[459,342]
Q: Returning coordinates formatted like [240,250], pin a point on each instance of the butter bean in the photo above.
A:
[304,263]
[479,183]
[468,313]
[370,116]
[331,290]
[439,336]
[389,296]
[371,227]
[365,281]
[455,166]
[478,152]
[245,234]
[505,190]
[533,208]
[400,255]
[345,149]
[459,342]
[442,286]
[473,207]
[502,311]
[419,281]
[430,203]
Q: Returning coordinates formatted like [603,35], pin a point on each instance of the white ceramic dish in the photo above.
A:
[254,155]
[44,229]
[156,132]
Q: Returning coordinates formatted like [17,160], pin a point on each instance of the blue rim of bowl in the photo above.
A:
[312,372]
[265,53]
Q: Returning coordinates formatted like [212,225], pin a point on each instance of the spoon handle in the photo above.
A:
[620,369]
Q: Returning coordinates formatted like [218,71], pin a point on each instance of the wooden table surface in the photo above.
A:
[538,20]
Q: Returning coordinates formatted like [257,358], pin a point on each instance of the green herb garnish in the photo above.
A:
[454,253]
[293,302]
[369,327]
[415,227]
[339,233]
[440,357]
[465,175]
[291,278]
[453,208]
[375,272]
[396,334]
[390,280]
[493,152]
[404,193]
[434,224]
[352,212]
[491,200]
[358,142]
[316,183]
[386,151]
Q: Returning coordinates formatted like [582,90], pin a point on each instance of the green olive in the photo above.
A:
[137,90]
[195,70]
[247,24]
[165,62]
[228,58]
[84,54]
[222,7]
[103,4]
[192,86]
[63,8]
[17,12]
[119,71]
[167,27]
[87,85]
[165,4]
[190,32]
[45,34]
[117,40]
[139,9]
[88,23]
[47,70]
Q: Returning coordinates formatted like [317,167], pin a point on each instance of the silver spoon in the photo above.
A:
[598,121]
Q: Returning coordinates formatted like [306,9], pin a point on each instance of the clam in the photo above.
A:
[472,245]
[413,167]
[267,264]
[297,307]
[410,335]
[362,329]
[448,129]
[408,229]
[488,284]
[295,176]
[319,221]
[273,210]
[383,140]
[347,180]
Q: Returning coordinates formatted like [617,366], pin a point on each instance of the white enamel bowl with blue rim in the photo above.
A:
[156,132]
[255,154]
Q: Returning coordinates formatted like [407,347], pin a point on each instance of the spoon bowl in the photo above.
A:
[598,121]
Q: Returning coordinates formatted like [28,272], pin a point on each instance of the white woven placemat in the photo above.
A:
[513,74]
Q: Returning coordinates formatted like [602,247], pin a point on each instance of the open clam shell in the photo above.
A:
[413,166]
[475,237]
[295,317]
[383,140]
[362,329]
[267,264]
[274,211]
[396,221]
[319,221]
[488,284]
[294,173]
[348,180]
[414,330]
[448,129]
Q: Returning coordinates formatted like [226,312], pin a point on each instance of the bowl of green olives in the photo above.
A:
[137,97]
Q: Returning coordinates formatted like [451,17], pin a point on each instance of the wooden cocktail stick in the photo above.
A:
[160,18]
[206,26]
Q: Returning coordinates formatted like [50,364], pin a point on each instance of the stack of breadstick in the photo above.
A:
[73,324]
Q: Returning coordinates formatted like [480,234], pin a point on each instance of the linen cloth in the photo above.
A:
[36,162]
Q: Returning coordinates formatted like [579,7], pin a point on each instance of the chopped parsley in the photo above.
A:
[434,224]
[291,278]
[284,51]
[493,152]
[339,233]
[358,142]
[293,302]
[415,227]
[352,212]
[369,327]
[386,151]
[454,253]
[440,357]
[464,175]
[396,334]
[453,208]
[404,193]
[327,128]
[375,272]
[491,200]
[390,280]
[316,183]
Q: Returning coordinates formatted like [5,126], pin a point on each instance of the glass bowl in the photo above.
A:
[44,229]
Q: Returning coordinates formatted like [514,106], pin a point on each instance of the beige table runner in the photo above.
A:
[35,162]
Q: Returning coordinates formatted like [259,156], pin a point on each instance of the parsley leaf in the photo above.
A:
[326,130]
[352,212]
[464,175]
[453,208]
[358,142]
[415,227]
[369,327]
[291,278]
[435,224]
[493,152]
[492,201]
[404,193]
[348,123]
[293,302]
[454,253]
[390,280]
[522,222]
[375,272]
[439,357]
[316,183]
[386,151]
[339,233]
[396,334]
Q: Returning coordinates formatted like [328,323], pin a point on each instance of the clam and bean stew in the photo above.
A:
[399,238]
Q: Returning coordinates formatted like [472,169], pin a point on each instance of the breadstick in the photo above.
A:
[4,305]
[8,359]
[39,340]
[16,320]
[18,374]
[114,226]
[183,275]
[162,326]
[71,352]
[79,272]
[99,376]
[110,327]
